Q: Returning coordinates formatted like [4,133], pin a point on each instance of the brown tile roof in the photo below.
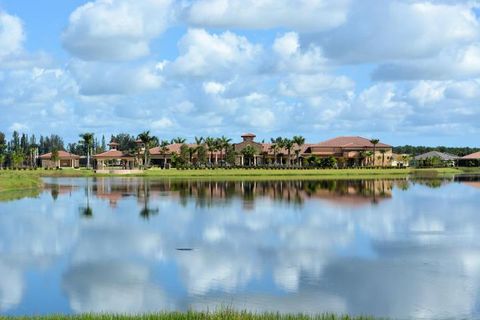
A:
[113,154]
[472,156]
[248,135]
[62,155]
[350,142]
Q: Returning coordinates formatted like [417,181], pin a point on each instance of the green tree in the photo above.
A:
[3,149]
[230,154]
[202,154]
[288,145]
[17,158]
[374,142]
[147,140]
[248,154]
[87,142]
[163,151]
[383,151]
[299,141]
[55,158]
[179,140]
[275,147]
[211,145]
[223,144]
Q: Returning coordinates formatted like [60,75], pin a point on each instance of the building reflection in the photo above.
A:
[211,193]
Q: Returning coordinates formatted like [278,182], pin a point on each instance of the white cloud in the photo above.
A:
[213,87]
[162,123]
[96,78]
[299,15]
[378,31]
[115,29]
[11,35]
[451,63]
[291,58]
[220,55]
[314,85]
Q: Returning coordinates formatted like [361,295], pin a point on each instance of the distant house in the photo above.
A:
[400,160]
[471,160]
[64,160]
[436,158]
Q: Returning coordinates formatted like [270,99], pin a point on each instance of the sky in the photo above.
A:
[404,71]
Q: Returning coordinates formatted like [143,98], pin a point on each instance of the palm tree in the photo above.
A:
[369,155]
[299,141]
[179,140]
[87,142]
[288,145]
[163,151]
[211,145]
[374,142]
[146,139]
[383,151]
[55,157]
[276,145]
[223,142]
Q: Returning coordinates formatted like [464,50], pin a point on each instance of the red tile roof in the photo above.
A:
[472,156]
[350,142]
[112,154]
[61,155]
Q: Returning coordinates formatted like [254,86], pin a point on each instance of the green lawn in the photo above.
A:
[193,315]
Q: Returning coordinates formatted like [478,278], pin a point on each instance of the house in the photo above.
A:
[64,160]
[471,160]
[114,158]
[400,160]
[436,158]
[353,151]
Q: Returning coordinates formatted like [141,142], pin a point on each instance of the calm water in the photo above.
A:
[388,248]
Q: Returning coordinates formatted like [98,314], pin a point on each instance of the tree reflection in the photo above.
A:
[87,212]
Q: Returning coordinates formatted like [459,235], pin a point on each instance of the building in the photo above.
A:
[471,160]
[114,159]
[64,160]
[400,160]
[348,151]
[436,158]
[353,152]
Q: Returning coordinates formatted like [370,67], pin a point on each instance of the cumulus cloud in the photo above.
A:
[291,58]
[215,55]
[377,31]
[115,29]
[97,78]
[452,63]
[12,34]
[314,85]
[299,15]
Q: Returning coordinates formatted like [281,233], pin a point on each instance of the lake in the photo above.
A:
[401,248]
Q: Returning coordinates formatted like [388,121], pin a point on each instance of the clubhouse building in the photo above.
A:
[347,151]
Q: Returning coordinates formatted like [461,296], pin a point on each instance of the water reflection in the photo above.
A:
[214,193]
[395,248]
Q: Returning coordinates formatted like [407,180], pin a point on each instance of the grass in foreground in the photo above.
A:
[194,315]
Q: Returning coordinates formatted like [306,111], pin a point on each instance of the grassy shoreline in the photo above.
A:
[197,315]
[22,180]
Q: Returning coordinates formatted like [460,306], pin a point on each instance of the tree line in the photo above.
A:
[417,150]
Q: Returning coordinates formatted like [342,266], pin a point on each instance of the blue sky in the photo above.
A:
[406,71]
